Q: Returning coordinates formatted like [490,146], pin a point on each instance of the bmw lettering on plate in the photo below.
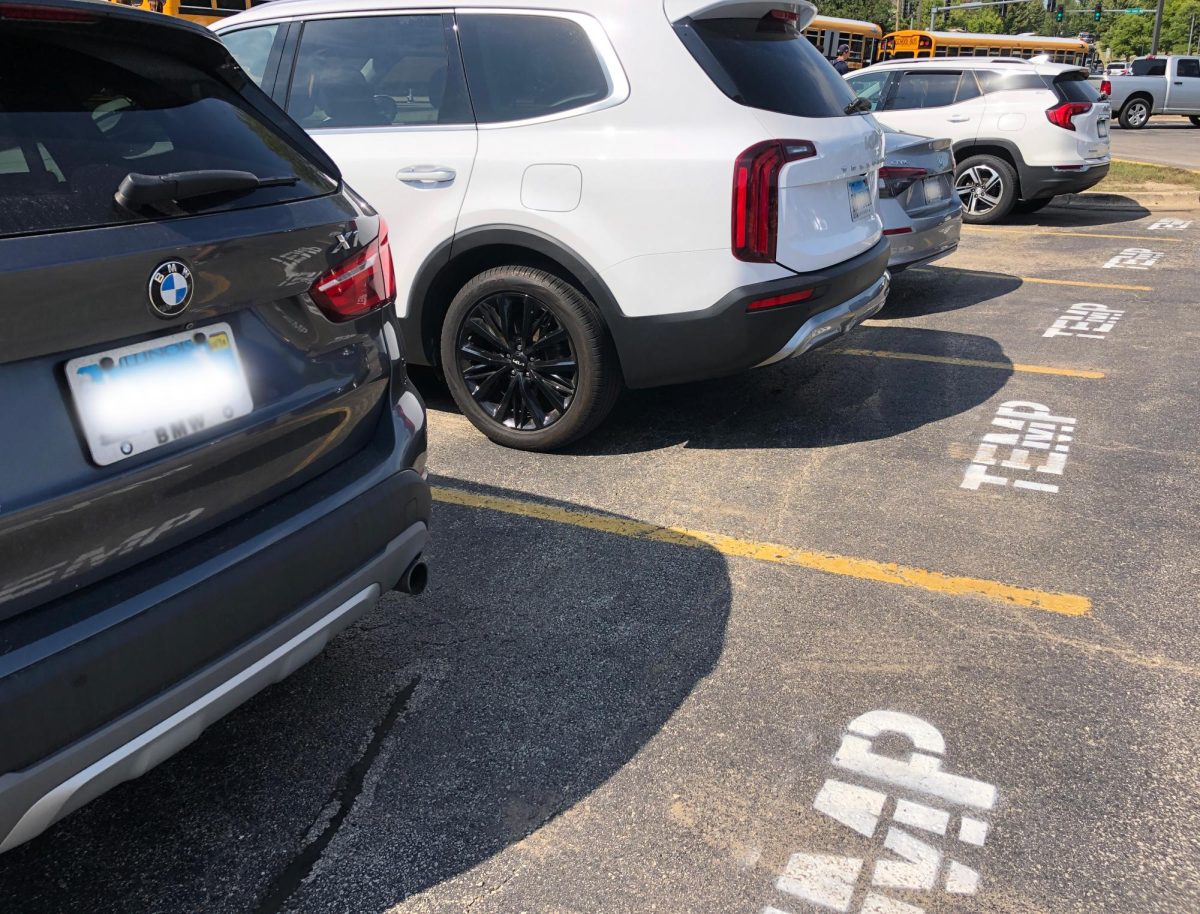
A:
[136,398]
[861,204]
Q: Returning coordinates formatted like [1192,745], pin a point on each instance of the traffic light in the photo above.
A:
[1097,11]
[1058,15]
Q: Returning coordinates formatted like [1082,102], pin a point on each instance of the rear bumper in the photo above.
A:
[727,338]
[153,650]
[931,237]
[1040,181]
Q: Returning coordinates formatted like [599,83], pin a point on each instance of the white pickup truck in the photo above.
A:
[1156,85]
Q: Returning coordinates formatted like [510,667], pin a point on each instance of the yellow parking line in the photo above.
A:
[974,363]
[988,230]
[1086,285]
[1047,282]
[1065,604]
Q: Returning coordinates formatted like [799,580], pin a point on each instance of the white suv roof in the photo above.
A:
[981,63]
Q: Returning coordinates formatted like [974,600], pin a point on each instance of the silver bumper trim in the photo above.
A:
[830,324]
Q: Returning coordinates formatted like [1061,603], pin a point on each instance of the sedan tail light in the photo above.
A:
[895,180]
[756,196]
[1060,115]
[363,283]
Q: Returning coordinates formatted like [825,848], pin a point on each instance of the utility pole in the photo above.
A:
[1191,29]
[1157,27]
[898,2]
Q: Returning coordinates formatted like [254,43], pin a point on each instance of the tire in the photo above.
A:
[1195,120]
[1031,206]
[987,187]
[1135,115]
[492,328]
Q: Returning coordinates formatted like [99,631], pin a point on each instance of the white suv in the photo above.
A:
[1023,130]
[582,193]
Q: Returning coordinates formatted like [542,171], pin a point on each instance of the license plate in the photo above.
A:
[861,204]
[136,398]
[936,190]
[1102,128]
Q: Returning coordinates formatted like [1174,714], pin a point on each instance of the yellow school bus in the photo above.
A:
[910,43]
[828,34]
[205,12]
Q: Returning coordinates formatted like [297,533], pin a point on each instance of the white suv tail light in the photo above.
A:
[756,196]
[1060,115]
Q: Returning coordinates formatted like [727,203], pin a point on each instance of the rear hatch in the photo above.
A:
[162,366]
[1082,106]
[918,172]
[827,186]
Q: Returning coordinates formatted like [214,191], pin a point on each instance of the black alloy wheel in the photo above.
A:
[528,358]
[517,361]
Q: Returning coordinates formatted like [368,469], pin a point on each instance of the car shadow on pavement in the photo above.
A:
[824,399]
[1126,210]
[935,289]
[432,735]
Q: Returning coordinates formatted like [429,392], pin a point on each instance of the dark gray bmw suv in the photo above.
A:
[211,458]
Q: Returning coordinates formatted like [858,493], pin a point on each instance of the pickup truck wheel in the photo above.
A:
[987,187]
[1195,120]
[1135,114]
[528,359]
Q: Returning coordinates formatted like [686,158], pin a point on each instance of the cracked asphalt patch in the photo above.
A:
[580,720]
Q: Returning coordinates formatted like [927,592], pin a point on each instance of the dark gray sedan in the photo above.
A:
[922,215]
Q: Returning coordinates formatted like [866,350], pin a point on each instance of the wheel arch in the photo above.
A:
[452,264]
[1001,149]
[1139,95]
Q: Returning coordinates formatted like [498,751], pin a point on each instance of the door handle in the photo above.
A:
[1178,82]
[426,174]
[958,119]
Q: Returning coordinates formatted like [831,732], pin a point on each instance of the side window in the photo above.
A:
[251,48]
[1187,68]
[1007,81]
[378,71]
[870,85]
[521,67]
[967,87]
[923,89]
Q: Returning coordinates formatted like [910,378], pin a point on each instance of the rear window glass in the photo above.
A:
[1188,68]
[109,109]
[521,67]
[1074,87]
[379,71]
[1149,67]
[766,63]
[1004,81]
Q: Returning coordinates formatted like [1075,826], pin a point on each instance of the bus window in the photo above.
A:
[981,52]
[952,51]
[940,51]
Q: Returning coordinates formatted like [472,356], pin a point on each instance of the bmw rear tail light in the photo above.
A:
[363,283]
[1060,115]
[893,181]
[756,196]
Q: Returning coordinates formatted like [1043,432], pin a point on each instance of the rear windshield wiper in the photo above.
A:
[138,190]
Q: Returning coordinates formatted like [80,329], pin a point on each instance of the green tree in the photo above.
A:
[1129,36]
[984,21]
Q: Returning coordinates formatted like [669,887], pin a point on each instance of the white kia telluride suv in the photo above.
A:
[1022,130]
[581,193]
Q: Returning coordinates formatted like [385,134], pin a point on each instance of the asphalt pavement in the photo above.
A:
[906,625]
[1164,141]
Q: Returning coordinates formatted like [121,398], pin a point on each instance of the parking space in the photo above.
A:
[905,625]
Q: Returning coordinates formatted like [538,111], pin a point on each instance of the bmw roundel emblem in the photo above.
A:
[170,288]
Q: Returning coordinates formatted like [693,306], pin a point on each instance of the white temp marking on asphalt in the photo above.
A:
[1086,319]
[904,861]
[1175,225]
[1134,259]
[1029,427]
